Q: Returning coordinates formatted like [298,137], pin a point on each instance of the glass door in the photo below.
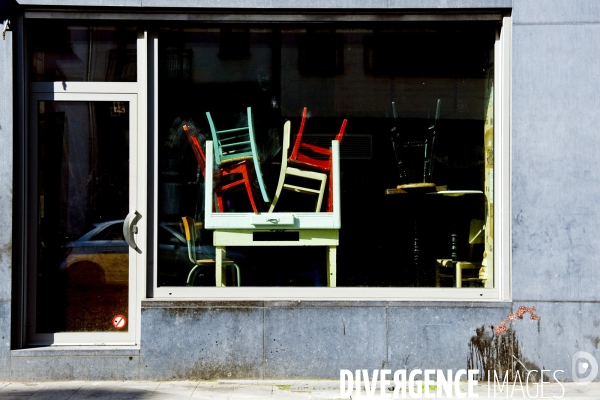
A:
[83,175]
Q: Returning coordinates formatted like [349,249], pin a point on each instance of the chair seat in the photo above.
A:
[299,189]
[309,166]
[447,263]
[209,261]
[460,266]
[236,159]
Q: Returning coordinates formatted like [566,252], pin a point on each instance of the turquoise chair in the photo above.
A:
[235,145]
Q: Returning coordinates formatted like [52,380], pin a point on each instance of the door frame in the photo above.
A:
[138,196]
[136,260]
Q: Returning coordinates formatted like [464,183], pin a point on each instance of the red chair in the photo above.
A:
[225,178]
[308,156]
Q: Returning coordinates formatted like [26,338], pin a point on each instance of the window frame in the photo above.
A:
[501,219]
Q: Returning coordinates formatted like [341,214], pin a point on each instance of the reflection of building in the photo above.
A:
[92,116]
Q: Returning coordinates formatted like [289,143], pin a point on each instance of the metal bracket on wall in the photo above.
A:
[6,23]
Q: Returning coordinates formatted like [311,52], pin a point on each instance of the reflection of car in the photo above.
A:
[101,255]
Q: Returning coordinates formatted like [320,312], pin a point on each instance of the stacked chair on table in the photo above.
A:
[307,161]
[236,153]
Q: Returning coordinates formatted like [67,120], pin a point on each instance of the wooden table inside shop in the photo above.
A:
[415,188]
[329,238]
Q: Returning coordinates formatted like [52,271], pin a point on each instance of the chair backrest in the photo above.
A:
[233,144]
[296,149]
[285,146]
[196,148]
[476,231]
[297,154]
[189,227]
[238,144]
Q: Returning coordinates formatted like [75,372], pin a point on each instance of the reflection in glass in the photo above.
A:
[419,104]
[83,192]
[80,53]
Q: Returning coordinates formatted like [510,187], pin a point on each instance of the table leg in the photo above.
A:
[416,253]
[220,275]
[454,256]
[331,265]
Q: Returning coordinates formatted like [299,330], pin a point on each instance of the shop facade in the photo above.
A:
[262,190]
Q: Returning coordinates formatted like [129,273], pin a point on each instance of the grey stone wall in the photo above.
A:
[555,147]
[282,4]
[6,193]
[307,339]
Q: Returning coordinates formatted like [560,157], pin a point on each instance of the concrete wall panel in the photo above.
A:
[450,4]
[201,342]
[82,3]
[75,363]
[563,330]
[319,341]
[437,337]
[6,193]
[555,146]
[6,162]
[293,4]
[556,11]
[4,340]
[206,4]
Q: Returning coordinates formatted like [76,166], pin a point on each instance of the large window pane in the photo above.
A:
[416,158]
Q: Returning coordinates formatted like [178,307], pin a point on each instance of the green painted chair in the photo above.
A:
[235,145]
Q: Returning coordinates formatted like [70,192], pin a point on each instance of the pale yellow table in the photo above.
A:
[329,238]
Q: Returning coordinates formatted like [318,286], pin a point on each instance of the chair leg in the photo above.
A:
[278,191]
[330,193]
[192,275]
[458,275]
[237,270]
[249,189]
[220,201]
[321,193]
[315,273]
[220,275]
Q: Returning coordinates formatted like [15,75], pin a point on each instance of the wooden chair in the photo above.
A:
[225,175]
[189,226]
[235,146]
[476,236]
[428,144]
[286,171]
[308,157]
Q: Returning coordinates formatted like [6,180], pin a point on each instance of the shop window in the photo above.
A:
[415,162]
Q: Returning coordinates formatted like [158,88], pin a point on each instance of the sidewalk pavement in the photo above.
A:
[247,389]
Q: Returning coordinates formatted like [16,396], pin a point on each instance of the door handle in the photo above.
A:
[130,228]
